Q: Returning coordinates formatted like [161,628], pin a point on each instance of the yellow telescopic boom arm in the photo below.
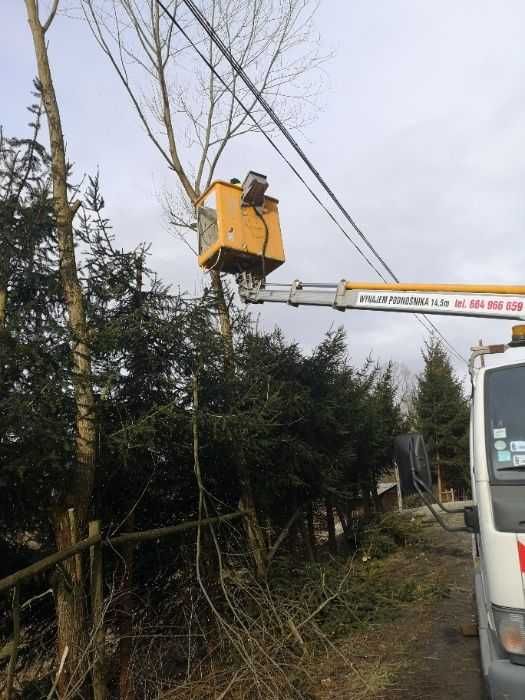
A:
[240,234]
[482,301]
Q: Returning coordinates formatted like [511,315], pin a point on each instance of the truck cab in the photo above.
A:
[497,464]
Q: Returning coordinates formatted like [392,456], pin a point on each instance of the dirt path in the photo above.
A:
[441,663]
[422,653]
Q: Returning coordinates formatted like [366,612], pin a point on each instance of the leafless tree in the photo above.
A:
[191,117]
[405,382]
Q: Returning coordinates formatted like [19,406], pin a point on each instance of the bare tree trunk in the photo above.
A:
[224,320]
[125,608]
[311,528]
[11,669]
[306,538]
[125,618]
[4,266]
[160,65]
[439,484]
[71,614]
[286,532]
[343,520]
[293,541]
[4,273]
[330,524]
[254,532]
[98,626]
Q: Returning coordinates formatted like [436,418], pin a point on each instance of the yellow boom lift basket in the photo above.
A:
[238,227]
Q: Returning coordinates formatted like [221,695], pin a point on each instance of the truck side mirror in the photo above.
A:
[471,517]
[412,462]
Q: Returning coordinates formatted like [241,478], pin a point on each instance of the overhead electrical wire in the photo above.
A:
[239,70]
[201,19]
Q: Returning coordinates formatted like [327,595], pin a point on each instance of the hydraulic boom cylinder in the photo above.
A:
[484,301]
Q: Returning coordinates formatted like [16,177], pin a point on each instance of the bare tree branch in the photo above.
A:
[51,17]
[16,640]
[98,33]
[284,534]
[167,83]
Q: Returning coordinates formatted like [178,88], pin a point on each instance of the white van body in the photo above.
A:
[497,463]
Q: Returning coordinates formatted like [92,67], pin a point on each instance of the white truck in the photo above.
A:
[497,517]
[239,233]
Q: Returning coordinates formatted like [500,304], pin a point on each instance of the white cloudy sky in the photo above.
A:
[422,135]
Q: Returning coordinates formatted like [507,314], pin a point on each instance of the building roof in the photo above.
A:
[384,486]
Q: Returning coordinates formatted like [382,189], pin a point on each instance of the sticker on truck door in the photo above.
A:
[517,446]
[502,445]
[504,456]
[518,460]
[500,433]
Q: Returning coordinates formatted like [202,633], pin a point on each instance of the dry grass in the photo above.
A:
[317,631]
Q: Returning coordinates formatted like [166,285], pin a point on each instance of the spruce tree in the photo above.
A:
[34,457]
[441,414]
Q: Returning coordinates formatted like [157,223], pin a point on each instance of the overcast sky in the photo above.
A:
[421,135]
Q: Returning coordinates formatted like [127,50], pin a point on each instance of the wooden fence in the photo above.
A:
[95,543]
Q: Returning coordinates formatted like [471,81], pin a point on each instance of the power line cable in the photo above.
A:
[445,340]
[237,67]
[201,19]
[210,31]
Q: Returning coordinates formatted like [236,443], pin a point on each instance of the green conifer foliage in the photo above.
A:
[442,414]
[35,391]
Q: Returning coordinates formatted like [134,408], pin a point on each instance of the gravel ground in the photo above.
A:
[442,663]
[422,654]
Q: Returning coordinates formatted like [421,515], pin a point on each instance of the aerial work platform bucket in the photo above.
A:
[238,227]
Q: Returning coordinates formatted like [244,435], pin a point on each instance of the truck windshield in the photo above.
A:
[505,422]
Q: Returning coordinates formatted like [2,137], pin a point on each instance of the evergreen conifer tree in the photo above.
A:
[441,414]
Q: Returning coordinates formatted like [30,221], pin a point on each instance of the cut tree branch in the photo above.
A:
[138,537]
